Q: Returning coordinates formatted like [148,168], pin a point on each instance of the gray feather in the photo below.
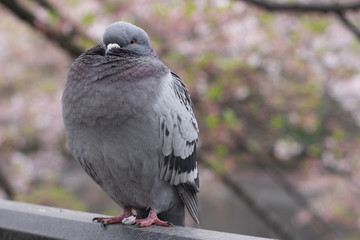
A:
[187,193]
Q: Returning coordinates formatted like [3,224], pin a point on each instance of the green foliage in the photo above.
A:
[221,150]
[53,195]
[217,165]
[110,6]
[229,117]
[228,64]
[3,86]
[277,121]
[339,134]
[206,60]
[30,143]
[162,10]
[47,87]
[266,18]
[212,120]
[352,236]
[87,43]
[316,25]
[88,18]
[253,145]
[189,8]
[215,92]
[112,211]
[314,150]
[73,3]
[53,15]
[341,210]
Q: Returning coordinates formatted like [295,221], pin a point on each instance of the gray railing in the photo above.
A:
[28,221]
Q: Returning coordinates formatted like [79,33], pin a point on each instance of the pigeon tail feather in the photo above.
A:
[187,192]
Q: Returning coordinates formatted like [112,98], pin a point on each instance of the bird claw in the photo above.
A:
[104,223]
[150,220]
[157,222]
[97,219]
[126,213]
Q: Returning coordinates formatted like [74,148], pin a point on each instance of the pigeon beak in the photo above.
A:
[111,46]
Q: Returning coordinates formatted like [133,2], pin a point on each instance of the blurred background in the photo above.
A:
[276,91]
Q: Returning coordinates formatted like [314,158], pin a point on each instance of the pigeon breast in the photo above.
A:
[102,88]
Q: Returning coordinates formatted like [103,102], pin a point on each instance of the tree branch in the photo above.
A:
[258,210]
[348,24]
[4,184]
[278,228]
[320,225]
[304,7]
[64,40]
[314,7]
[47,5]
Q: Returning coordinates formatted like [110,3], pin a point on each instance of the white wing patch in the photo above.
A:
[178,132]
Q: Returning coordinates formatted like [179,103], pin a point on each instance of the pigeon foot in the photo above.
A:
[150,220]
[110,220]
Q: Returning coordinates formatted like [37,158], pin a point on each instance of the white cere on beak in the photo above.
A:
[112,45]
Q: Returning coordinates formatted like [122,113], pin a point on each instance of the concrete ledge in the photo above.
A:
[27,221]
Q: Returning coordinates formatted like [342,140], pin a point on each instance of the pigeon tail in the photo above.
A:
[187,192]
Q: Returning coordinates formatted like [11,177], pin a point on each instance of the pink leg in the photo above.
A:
[151,219]
[109,220]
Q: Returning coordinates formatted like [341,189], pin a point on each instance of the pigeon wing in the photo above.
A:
[179,136]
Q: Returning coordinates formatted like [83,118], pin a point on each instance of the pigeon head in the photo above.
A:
[129,37]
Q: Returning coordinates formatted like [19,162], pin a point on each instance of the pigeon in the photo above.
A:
[129,122]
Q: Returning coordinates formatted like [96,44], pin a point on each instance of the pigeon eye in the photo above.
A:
[132,41]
